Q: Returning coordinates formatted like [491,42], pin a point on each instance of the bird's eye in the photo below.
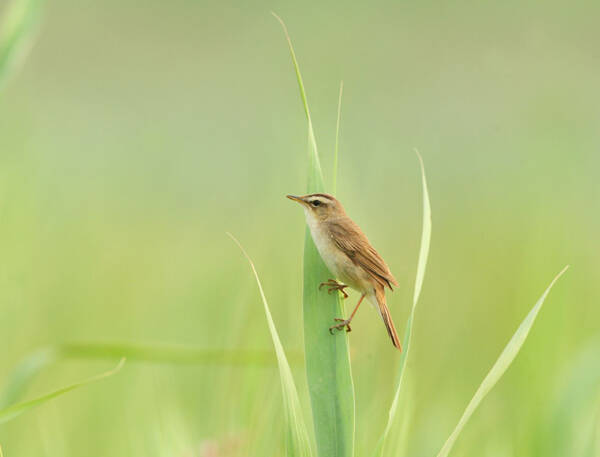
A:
[316,203]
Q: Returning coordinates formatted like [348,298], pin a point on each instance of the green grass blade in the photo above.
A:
[13,411]
[314,156]
[297,442]
[337,139]
[34,363]
[17,30]
[421,266]
[171,354]
[25,372]
[425,238]
[506,358]
[327,357]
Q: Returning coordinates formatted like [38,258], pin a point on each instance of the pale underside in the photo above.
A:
[349,255]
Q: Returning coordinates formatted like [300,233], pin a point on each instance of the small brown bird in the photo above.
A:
[349,256]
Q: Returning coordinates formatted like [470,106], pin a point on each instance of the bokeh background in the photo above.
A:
[138,133]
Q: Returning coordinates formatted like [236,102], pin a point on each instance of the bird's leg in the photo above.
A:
[346,322]
[332,285]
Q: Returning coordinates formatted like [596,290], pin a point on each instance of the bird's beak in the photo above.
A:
[296,199]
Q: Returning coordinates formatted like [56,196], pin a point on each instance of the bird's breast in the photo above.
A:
[336,260]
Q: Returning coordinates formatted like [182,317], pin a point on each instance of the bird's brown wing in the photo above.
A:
[353,242]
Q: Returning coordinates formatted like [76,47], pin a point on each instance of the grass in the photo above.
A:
[499,368]
[297,442]
[574,418]
[329,375]
[421,266]
[18,27]
[33,364]
[327,358]
[17,409]
[337,139]
[225,396]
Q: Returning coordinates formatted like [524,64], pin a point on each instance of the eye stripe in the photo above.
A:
[323,197]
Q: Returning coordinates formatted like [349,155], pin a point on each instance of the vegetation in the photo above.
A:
[116,251]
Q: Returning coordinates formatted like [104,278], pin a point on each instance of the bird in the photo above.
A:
[349,256]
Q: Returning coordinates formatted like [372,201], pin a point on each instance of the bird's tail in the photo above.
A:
[387,319]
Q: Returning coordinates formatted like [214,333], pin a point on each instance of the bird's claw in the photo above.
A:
[332,285]
[342,323]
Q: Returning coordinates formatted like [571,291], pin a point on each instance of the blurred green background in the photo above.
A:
[137,133]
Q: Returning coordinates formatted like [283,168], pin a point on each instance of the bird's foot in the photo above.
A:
[342,323]
[332,285]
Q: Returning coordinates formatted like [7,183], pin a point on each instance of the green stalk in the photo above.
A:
[327,357]
[499,368]
[31,365]
[14,410]
[337,139]
[421,265]
[297,442]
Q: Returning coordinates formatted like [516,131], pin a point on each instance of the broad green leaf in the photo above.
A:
[327,356]
[297,442]
[13,411]
[421,266]
[17,30]
[337,139]
[506,358]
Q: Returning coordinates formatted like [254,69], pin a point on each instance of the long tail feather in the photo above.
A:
[387,319]
[389,325]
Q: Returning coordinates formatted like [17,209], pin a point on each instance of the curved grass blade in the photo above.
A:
[297,442]
[337,139]
[314,155]
[17,31]
[327,357]
[33,364]
[25,372]
[506,358]
[14,410]
[421,266]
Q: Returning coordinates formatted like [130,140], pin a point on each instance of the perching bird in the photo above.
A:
[349,256]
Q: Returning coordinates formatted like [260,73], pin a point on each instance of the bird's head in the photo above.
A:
[320,206]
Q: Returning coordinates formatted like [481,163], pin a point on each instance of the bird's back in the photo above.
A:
[350,239]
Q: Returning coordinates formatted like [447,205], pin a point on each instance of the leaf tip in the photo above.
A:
[560,273]
[114,371]
[419,156]
[276,16]
[120,365]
